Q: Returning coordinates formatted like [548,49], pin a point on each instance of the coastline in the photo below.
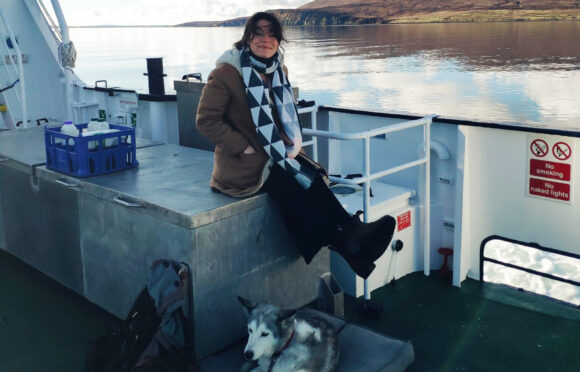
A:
[489,16]
[475,16]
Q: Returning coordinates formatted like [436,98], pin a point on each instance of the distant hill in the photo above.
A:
[352,12]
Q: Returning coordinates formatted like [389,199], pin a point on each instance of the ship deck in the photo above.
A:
[479,327]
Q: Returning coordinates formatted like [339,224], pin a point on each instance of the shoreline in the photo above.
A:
[353,24]
[491,16]
[483,16]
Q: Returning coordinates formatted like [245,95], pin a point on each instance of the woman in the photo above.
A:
[247,109]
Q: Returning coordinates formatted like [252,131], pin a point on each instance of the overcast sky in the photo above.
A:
[163,12]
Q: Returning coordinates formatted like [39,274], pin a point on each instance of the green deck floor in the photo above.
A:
[45,327]
[476,328]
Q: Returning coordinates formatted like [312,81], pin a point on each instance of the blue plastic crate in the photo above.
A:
[91,155]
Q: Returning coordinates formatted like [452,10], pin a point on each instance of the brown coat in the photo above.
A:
[224,117]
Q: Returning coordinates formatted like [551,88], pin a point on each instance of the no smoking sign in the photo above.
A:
[550,166]
[539,147]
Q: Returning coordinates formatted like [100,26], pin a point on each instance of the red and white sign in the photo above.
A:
[539,147]
[403,221]
[549,169]
[551,166]
[550,189]
[562,151]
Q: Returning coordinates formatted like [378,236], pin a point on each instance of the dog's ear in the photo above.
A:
[248,305]
[286,315]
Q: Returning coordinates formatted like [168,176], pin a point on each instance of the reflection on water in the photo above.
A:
[554,264]
[509,72]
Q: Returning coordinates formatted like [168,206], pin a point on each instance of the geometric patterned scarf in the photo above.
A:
[270,139]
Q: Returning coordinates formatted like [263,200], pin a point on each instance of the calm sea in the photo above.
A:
[507,72]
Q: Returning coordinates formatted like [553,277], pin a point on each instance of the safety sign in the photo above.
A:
[562,151]
[550,167]
[403,220]
[539,148]
[550,189]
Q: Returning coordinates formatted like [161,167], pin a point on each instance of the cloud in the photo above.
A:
[168,12]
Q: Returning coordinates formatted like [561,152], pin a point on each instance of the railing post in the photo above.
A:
[367,195]
[427,219]
[315,127]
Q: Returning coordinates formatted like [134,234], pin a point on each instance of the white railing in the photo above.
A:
[367,177]
[16,75]
[312,110]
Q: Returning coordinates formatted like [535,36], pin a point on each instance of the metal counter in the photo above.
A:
[98,235]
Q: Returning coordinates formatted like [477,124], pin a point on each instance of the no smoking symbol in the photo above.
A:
[539,148]
[562,150]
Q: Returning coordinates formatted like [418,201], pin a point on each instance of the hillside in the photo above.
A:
[409,11]
[350,12]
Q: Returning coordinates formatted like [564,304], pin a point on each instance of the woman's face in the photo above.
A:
[263,43]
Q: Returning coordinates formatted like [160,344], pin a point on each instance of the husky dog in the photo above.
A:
[287,341]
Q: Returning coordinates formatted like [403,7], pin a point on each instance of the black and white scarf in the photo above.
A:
[270,139]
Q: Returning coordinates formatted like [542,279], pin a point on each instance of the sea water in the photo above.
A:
[522,72]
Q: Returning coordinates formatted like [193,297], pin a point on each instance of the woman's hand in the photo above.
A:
[249,150]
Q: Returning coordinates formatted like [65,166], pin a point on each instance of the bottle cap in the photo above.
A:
[68,122]
[100,119]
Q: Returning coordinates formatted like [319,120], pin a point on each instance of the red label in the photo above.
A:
[549,169]
[403,221]
[550,189]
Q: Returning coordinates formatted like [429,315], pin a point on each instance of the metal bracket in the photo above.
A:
[65,182]
[119,200]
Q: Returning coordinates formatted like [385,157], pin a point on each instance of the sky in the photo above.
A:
[163,12]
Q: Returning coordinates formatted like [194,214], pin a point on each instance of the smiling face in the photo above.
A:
[263,43]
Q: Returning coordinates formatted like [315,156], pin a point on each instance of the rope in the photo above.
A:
[9,86]
[68,54]
[55,29]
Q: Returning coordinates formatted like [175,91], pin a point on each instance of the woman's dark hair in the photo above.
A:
[252,24]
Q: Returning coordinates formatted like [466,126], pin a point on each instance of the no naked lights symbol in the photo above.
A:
[562,151]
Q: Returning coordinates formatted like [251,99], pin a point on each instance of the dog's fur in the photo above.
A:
[288,341]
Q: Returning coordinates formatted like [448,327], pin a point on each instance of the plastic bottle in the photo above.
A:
[92,128]
[103,125]
[70,129]
[105,128]
[93,125]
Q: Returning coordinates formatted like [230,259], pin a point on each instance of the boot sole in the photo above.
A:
[363,270]
[376,245]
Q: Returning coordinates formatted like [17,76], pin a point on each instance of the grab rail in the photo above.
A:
[512,260]
[367,177]
[312,110]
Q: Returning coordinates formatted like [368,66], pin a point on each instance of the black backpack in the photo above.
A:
[157,333]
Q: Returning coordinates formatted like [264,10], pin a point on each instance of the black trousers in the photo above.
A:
[311,216]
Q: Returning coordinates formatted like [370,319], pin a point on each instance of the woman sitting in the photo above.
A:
[248,111]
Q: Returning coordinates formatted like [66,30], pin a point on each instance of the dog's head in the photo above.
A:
[267,327]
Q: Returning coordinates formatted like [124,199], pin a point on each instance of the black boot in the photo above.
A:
[373,238]
[359,243]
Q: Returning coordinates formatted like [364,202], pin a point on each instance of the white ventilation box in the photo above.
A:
[387,200]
